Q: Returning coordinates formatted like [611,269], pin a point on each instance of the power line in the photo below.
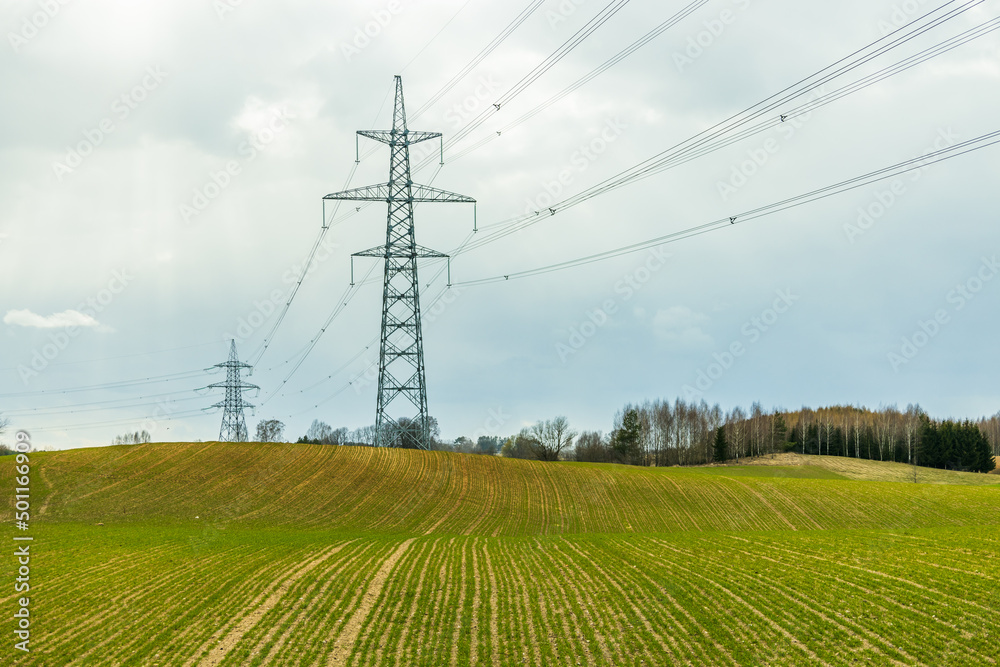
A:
[912,36]
[339,308]
[72,409]
[121,356]
[688,148]
[823,100]
[327,224]
[606,65]
[349,293]
[356,376]
[401,382]
[361,352]
[912,31]
[957,150]
[447,87]
[255,358]
[479,57]
[436,35]
[870,80]
[486,51]
[119,422]
[791,92]
[303,353]
[57,409]
[170,377]
[723,141]
[366,280]
[569,45]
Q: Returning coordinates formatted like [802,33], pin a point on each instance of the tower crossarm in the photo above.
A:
[419,252]
[392,137]
[243,386]
[237,404]
[232,364]
[418,193]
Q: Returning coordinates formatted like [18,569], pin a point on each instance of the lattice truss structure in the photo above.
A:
[401,417]
[234,426]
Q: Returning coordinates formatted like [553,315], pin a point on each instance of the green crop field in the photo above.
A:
[256,554]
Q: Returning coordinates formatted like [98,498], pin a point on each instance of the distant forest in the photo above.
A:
[665,433]
[662,433]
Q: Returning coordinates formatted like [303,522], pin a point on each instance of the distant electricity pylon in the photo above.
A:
[234,426]
[402,387]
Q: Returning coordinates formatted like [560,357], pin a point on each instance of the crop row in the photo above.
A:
[238,597]
[774,598]
[377,491]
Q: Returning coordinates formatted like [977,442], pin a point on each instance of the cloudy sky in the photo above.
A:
[162,167]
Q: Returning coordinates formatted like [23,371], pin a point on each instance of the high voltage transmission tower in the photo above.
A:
[234,426]
[402,387]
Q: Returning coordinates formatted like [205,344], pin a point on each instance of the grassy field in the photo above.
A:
[877,471]
[220,554]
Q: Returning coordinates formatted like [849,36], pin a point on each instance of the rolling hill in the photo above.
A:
[261,554]
[413,492]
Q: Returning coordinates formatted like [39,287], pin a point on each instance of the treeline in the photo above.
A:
[321,433]
[665,433]
[135,438]
[658,433]
[956,446]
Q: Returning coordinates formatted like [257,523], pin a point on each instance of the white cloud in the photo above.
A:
[67,318]
[680,325]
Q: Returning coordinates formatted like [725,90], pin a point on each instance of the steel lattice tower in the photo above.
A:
[234,426]
[402,387]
